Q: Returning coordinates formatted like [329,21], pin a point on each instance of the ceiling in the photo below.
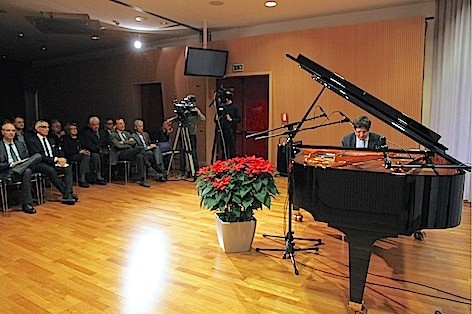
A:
[38,30]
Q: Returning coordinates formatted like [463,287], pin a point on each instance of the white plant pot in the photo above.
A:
[235,236]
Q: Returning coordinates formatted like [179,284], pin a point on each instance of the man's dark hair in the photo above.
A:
[362,122]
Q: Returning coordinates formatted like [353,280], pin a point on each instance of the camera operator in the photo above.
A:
[230,115]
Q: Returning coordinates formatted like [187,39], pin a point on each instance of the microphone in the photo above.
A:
[345,118]
[324,113]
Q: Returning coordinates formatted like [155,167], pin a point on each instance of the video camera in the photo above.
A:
[185,107]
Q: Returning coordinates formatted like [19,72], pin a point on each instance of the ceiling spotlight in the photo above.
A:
[140,18]
[138,44]
[95,37]
[21,34]
[44,48]
[270,4]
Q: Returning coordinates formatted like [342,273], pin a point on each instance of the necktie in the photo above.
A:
[123,136]
[13,154]
[46,148]
[364,144]
[97,134]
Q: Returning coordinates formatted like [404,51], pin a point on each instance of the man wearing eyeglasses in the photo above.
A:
[16,165]
[52,161]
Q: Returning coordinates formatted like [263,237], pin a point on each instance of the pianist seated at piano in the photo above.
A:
[362,137]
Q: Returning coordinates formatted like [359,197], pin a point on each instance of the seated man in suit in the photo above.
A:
[123,147]
[362,137]
[153,153]
[97,141]
[16,164]
[52,161]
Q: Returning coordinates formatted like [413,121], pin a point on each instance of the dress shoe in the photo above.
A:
[69,200]
[152,173]
[100,182]
[75,197]
[144,183]
[161,177]
[28,208]
[84,184]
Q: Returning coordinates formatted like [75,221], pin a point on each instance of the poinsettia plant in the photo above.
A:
[236,187]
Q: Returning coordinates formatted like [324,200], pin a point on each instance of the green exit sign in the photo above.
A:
[238,67]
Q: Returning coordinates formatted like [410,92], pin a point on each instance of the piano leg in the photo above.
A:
[360,250]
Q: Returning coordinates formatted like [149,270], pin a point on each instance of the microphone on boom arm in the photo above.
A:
[324,113]
[345,118]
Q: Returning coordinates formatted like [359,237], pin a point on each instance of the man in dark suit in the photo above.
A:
[362,137]
[97,141]
[52,161]
[123,147]
[16,163]
[153,152]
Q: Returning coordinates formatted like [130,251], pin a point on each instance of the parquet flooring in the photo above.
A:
[128,249]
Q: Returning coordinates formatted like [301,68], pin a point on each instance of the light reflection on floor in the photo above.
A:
[145,271]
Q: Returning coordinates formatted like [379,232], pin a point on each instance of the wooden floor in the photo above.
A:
[128,249]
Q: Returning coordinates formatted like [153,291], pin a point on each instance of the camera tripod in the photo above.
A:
[219,140]
[182,137]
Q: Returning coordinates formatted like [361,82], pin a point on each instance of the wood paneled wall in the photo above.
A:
[384,58]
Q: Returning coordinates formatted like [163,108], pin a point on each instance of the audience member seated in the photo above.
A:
[123,147]
[153,153]
[109,125]
[16,164]
[97,141]
[74,151]
[52,162]
[19,123]
[56,132]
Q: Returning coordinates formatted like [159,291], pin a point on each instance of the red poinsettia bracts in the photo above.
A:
[237,186]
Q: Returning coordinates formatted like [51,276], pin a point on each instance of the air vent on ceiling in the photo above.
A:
[64,23]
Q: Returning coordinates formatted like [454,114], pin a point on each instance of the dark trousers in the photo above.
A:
[52,173]
[88,163]
[136,154]
[229,136]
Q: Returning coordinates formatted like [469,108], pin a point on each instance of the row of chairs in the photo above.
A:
[38,183]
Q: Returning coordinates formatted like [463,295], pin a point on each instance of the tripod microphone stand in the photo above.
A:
[290,247]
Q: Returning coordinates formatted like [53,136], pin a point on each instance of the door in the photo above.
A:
[152,110]
[251,93]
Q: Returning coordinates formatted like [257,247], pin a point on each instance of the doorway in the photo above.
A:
[251,93]
[152,110]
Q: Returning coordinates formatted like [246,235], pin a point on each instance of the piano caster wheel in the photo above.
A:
[298,217]
[357,308]
[419,235]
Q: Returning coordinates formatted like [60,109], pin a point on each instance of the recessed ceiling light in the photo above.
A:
[138,44]
[216,2]
[140,18]
[21,34]
[44,48]
[270,4]
[95,37]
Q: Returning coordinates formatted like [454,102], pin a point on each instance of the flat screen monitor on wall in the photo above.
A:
[205,62]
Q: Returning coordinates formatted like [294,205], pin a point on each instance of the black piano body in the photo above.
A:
[368,202]
[355,192]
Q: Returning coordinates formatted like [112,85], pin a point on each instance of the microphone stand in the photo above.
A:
[290,247]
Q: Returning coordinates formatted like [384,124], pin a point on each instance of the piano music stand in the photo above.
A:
[290,247]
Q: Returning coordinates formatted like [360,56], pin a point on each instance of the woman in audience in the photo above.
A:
[74,151]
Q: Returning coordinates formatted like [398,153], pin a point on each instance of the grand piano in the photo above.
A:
[375,194]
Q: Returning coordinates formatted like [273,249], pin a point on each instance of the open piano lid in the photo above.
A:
[413,129]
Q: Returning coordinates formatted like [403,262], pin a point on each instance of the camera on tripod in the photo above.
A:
[185,108]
